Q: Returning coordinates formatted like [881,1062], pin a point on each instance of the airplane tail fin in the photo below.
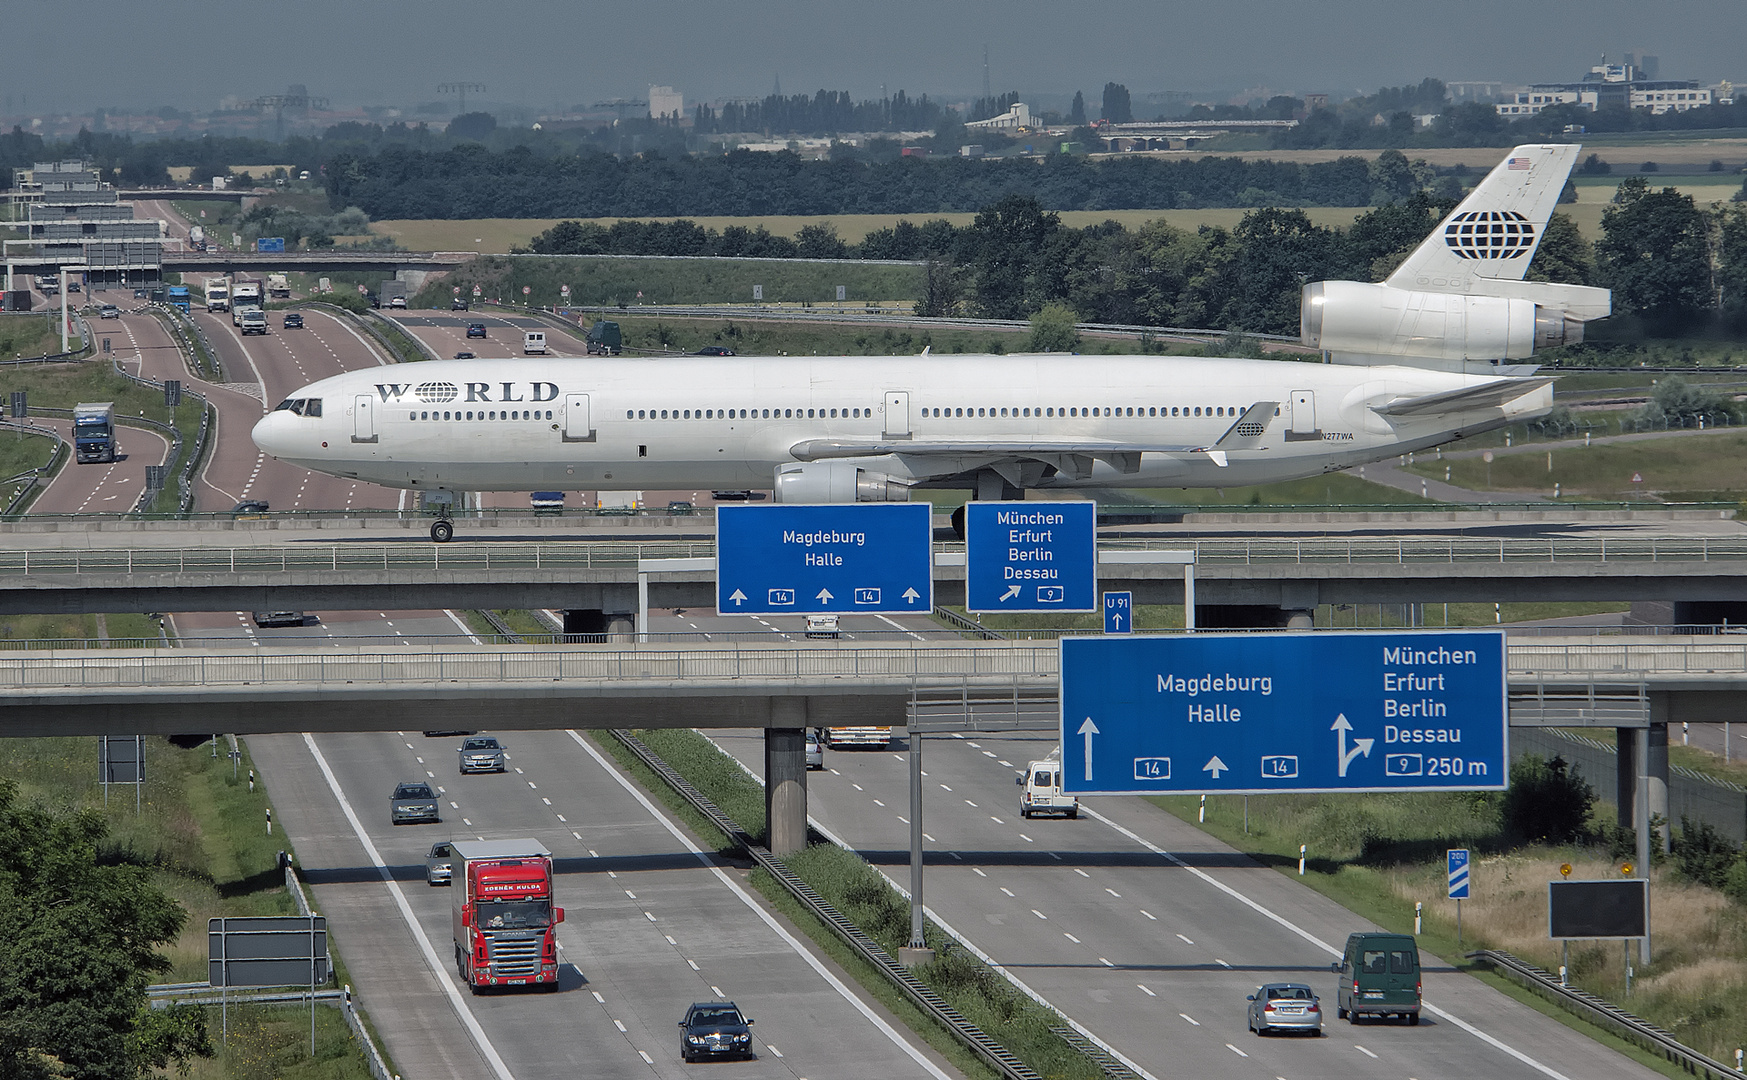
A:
[1496,229]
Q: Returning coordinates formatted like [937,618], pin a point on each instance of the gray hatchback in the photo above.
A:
[414,802]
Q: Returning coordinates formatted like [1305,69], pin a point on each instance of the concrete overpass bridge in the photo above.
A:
[312,262]
[1240,582]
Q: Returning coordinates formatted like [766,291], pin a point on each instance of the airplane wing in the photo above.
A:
[1479,396]
[1244,432]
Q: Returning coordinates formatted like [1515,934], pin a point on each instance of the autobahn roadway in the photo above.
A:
[652,923]
[1150,933]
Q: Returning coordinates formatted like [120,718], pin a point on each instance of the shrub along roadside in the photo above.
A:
[863,896]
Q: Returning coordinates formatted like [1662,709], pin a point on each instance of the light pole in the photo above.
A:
[461,88]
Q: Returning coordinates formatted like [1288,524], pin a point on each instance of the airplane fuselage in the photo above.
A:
[729,422]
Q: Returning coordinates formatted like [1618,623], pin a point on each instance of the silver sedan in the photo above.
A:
[1285,1007]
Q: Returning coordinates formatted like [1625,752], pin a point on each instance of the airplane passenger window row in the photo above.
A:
[506,414]
[1137,411]
[747,414]
[300,406]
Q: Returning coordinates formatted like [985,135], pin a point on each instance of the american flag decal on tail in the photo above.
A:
[1517,164]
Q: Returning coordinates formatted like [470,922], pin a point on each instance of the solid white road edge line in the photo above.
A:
[956,936]
[438,968]
[381,361]
[746,898]
[456,619]
[244,349]
[1318,942]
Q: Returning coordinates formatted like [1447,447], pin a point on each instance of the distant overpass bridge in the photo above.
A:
[230,262]
[1158,134]
[195,569]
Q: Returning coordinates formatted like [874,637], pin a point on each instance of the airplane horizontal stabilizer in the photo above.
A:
[1463,399]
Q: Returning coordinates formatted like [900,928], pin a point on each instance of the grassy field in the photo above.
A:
[1380,854]
[29,335]
[1680,467]
[201,832]
[498,235]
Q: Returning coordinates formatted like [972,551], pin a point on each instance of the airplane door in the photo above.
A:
[1304,413]
[363,419]
[576,419]
[897,414]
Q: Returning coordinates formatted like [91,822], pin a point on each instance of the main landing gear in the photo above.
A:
[442,531]
[441,502]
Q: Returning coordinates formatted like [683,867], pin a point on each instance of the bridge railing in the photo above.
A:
[306,557]
[1017,662]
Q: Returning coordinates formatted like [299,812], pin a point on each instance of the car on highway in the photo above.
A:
[465,355]
[714,1029]
[397,301]
[1285,1007]
[822,626]
[439,864]
[1043,794]
[815,750]
[714,350]
[293,321]
[109,311]
[458,304]
[731,496]
[680,507]
[482,753]
[475,329]
[278,618]
[446,732]
[413,801]
[142,294]
[249,508]
[1379,974]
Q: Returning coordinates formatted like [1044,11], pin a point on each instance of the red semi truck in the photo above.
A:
[505,926]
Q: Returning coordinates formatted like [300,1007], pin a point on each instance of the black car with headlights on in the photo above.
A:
[714,1029]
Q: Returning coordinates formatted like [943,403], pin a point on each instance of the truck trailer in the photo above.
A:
[244,294]
[504,922]
[278,287]
[218,294]
[197,238]
[94,432]
[178,298]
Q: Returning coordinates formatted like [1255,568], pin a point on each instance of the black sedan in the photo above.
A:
[293,321]
[714,1029]
[714,350]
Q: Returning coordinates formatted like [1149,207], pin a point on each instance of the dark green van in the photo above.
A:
[1379,975]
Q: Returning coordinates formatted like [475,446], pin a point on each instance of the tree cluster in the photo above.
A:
[825,112]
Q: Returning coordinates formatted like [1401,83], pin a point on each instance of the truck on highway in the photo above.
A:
[278,287]
[504,922]
[178,297]
[858,735]
[393,293]
[197,238]
[244,294]
[218,294]
[94,432]
[252,320]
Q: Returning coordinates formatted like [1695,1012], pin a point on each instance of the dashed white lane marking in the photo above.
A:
[1145,991]
[1240,1053]
[1186,941]
[1191,1019]
[1364,1051]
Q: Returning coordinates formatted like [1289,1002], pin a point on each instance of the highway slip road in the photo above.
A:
[1150,933]
[651,924]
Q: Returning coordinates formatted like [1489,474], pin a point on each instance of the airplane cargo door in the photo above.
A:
[576,419]
[1304,415]
[363,419]
[897,414]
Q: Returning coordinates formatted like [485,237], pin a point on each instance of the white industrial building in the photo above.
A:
[1608,85]
[1017,117]
[666,103]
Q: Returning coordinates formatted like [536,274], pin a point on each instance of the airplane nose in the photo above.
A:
[273,435]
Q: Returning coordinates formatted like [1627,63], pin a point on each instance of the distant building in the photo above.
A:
[666,103]
[1016,118]
[1609,86]
[1474,90]
[971,150]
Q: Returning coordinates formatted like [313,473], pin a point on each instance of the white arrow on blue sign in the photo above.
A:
[1457,861]
[1118,613]
[844,558]
[1038,557]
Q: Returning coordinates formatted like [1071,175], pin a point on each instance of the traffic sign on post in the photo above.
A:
[1260,713]
[1118,613]
[839,558]
[1031,556]
[1456,863]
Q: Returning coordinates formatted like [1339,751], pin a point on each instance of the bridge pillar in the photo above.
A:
[1655,765]
[1301,620]
[785,776]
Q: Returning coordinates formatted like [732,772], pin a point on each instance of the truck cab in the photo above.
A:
[1043,794]
[504,921]
[252,320]
[94,432]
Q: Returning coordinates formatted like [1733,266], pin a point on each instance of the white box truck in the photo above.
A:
[534,341]
[218,294]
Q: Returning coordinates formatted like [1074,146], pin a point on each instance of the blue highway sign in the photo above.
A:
[1031,556]
[1118,613]
[1456,860]
[809,560]
[1259,713]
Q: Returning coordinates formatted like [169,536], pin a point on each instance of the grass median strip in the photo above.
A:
[862,895]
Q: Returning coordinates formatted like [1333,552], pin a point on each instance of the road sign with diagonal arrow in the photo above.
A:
[1258,713]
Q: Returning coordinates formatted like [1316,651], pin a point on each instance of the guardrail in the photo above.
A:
[27,491]
[372,1053]
[966,1033]
[1605,1013]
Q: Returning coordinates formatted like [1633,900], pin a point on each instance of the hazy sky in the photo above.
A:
[539,53]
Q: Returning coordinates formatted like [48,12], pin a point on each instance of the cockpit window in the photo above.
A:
[301,406]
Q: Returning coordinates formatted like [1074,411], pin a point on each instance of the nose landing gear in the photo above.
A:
[442,531]
[441,502]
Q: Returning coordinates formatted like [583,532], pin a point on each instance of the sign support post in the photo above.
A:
[918,951]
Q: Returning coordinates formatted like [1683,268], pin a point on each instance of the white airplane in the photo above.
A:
[871,429]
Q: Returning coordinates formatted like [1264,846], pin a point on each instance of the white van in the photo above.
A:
[534,341]
[1042,781]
